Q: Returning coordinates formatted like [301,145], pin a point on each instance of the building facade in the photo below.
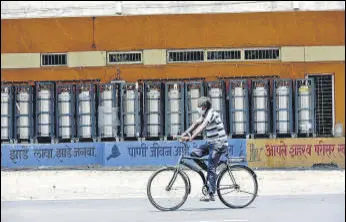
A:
[140,47]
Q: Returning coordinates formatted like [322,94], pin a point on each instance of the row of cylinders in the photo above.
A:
[24,110]
[282,99]
[260,109]
[108,118]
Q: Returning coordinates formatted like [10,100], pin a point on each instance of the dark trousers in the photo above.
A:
[213,161]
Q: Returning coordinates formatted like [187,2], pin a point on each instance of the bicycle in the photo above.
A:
[178,175]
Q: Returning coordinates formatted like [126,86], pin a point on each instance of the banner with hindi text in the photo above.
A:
[160,153]
[106,154]
[48,155]
[295,152]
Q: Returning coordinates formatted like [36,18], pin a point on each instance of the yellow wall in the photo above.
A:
[173,31]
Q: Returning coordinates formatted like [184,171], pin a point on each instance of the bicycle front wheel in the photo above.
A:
[237,186]
[167,189]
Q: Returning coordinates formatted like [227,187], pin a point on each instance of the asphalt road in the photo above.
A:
[314,208]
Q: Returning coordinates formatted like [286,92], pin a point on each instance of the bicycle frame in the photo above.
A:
[193,168]
[199,171]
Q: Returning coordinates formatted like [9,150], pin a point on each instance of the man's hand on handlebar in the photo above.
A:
[185,138]
[182,138]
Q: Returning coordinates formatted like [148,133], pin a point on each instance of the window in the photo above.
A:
[54,59]
[185,56]
[324,104]
[220,55]
[262,54]
[125,57]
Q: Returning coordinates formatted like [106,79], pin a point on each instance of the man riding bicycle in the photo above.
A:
[216,145]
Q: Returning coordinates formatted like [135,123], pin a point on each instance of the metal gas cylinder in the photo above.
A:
[194,95]
[129,108]
[153,101]
[282,103]
[260,107]
[175,109]
[44,112]
[239,115]
[304,120]
[107,116]
[64,103]
[23,122]
[84,109]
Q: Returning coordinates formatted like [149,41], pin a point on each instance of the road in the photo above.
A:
[300,208]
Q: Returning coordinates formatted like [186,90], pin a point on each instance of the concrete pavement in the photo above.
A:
[299,208]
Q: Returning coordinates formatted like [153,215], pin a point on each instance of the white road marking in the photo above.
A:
[228,220]
[236,220]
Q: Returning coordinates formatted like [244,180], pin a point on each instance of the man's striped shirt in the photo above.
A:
[215,131]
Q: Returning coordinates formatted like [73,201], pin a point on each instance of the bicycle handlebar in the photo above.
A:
[178,138]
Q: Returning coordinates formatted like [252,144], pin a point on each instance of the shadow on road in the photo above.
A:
[201,209]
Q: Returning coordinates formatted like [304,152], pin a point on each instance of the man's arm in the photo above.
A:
[199,129]
[191,128]
[209,117]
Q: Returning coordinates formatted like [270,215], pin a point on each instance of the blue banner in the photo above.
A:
[108,154]
[154,153]
[63,154]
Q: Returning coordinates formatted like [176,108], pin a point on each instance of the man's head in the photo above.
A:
[203,105]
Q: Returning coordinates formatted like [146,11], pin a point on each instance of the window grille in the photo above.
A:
[125,57]
[54,59]
[262,54]
[324,91]
[185,56]
[223,55]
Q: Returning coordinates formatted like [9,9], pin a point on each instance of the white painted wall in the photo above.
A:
[38,9]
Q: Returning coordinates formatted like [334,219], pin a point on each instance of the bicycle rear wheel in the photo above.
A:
[167,189]
[237,186]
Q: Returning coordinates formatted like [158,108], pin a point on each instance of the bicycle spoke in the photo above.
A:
[242,191]
[228,192]
[227,187]
[178,188]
